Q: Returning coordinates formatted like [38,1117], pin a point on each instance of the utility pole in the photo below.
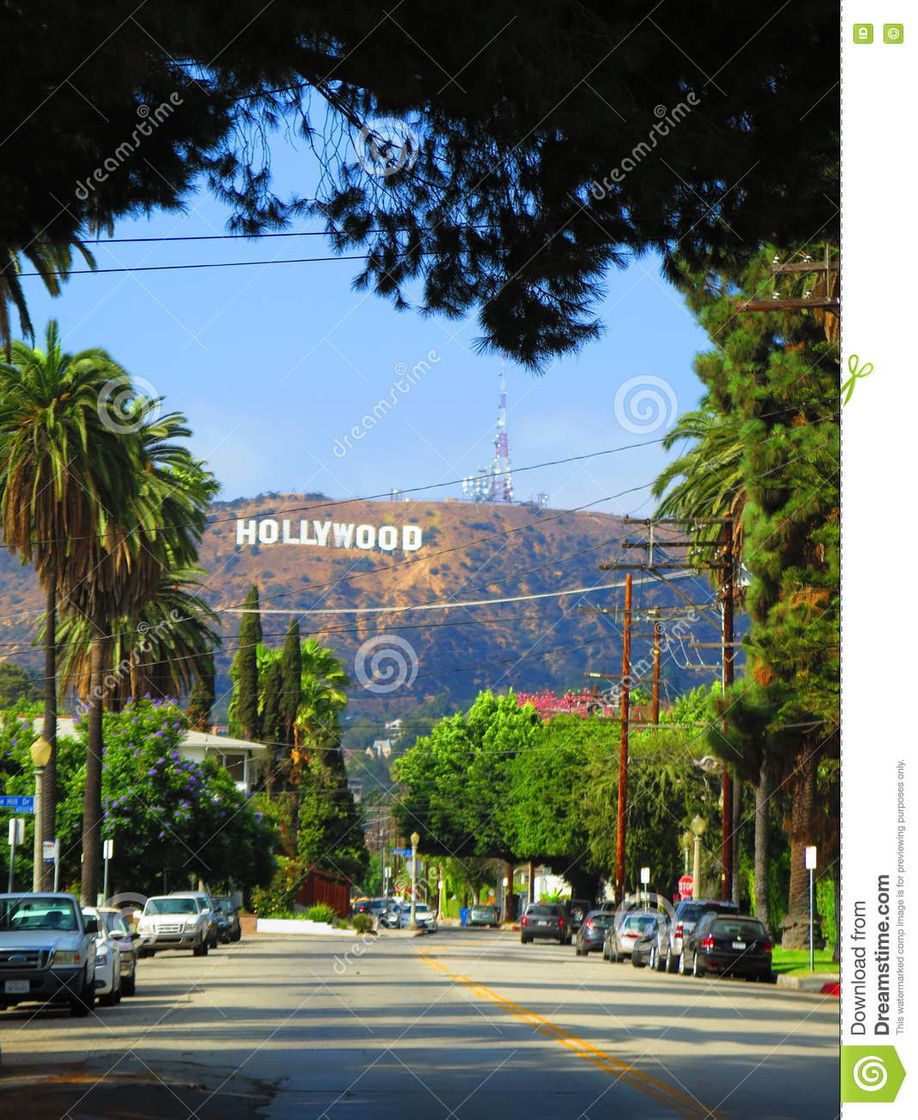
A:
[657,632]
[623,746]
[730,883]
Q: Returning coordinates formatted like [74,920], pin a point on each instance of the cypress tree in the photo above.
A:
[291,685]
[246,722]
[203,693]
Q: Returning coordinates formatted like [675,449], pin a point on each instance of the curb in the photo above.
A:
[823,983]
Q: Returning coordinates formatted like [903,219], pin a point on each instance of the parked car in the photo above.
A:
[592,932]
[390,917]
[645,951]
[624,930]
[484,916]
[229,928]
[683,922]
[377,907]
[423,916]
[729,943]
[173,922]
[47,951]
[546,920]
[207,907]
[116,956]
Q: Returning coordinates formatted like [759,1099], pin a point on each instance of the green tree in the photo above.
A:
[63,469]
[17,683]
[51,261]
[244,716]
[517,213]
[203,693]
[290,694]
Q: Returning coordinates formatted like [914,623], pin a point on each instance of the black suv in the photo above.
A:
[673,934]
[548,920]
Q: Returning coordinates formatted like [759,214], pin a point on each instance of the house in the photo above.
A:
[243,760]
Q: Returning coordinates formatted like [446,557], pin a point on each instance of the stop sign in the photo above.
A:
[685,886]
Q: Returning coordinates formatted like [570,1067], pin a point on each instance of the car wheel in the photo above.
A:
[113,998]
[652,962]
[81,1005]
[524,940]
[696,966]
[200,950]
[681,966]
[129,983]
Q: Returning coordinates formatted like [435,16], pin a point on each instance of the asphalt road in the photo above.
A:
[458,1024]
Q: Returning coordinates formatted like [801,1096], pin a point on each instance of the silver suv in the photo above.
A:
[208,908]
[47,951]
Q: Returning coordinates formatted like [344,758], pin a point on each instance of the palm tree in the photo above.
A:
[52,262]
[161,652]
[59,466]
[158,527]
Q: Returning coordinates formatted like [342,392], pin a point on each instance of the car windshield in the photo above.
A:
[170,906]
[420,908]
[642,923]
[112,921]
[38,913]
[599,918]
[543,911]
[738,931]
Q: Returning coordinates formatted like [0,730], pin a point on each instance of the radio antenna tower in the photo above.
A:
[501,476]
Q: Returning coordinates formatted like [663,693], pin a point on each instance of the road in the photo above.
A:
[457,1024]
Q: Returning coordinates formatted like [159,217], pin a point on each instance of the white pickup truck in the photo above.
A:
[47,951]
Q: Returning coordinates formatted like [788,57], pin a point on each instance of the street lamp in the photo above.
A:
[687,840]
[699,824]
[41,751]
[415,840]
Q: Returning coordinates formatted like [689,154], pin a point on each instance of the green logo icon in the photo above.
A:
[893,32]
[870,1073]
[863,33]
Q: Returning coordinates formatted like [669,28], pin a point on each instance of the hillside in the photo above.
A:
[310,553]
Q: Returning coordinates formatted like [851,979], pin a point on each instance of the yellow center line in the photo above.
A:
[681,1103]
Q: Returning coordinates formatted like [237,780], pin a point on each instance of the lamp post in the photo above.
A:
[415,840]
[41,751]
[687,840]
[699,824]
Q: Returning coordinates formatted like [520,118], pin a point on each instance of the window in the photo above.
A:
[170,906]
[38,914]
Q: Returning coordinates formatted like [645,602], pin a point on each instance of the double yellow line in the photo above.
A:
[682,1104]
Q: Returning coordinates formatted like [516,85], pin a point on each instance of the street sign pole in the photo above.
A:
[108,850]
[810,864]
[17,835]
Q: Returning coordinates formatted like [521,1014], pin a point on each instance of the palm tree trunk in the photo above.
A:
[736,825]
[795,927]
[762,795]
[92,794]
[49,727]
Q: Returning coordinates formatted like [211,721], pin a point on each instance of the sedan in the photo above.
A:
[646,950]
[424,917]
[729,943]
[625,931]
[484,916]
[592,932]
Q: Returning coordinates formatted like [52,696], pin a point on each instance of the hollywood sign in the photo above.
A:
[328,534]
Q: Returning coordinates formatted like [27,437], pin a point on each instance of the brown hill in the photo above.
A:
[310,554]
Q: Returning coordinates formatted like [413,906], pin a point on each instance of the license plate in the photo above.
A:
[543,923]
[16,987]
[739,944]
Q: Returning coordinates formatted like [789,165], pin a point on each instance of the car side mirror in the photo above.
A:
[92,925]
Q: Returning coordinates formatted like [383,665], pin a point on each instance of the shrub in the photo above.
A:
[363,923]
[321,912]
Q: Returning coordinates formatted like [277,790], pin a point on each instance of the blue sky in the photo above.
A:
[274,364]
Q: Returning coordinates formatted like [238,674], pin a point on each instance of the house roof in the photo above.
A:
[200,739]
